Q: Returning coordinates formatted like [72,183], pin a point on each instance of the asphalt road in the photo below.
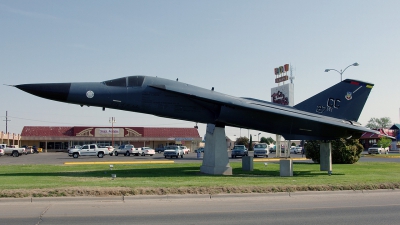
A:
[62,157]
[341,207]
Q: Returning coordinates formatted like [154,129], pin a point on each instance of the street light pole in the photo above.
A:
[112,121]
[342,71]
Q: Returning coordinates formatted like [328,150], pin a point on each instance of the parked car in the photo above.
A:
[88,150]
[12,150]
[28,149]
[273,149]
[160,149]
[295,150]
[199,150]
[185,149]
[148,151]
[1,152]
[173,151]
[110,149]
[239,150]
[375,149]
[127,150]
[261,150]
[35,149]
[298,150]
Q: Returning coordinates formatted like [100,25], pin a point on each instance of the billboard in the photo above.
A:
[283,95]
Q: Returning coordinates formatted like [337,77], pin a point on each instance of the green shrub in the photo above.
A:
[344,151]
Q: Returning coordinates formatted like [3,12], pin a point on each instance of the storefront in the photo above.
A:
[61,138]
[368,138]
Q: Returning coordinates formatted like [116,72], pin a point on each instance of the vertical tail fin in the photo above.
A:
[344,100]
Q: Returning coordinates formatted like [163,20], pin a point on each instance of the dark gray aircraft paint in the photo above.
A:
[329,115]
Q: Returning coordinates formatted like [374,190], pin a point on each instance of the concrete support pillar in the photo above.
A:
[325,157]
[45,147]
[278,146]
[287,149]
[286,168]
[215,159]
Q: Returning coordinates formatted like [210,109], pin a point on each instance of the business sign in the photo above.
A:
[281,73]
[108,131]
[281,79]
[283,94]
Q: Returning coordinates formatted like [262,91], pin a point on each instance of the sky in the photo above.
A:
[230,45]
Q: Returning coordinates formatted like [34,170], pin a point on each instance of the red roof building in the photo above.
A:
[60,138]
[368,138]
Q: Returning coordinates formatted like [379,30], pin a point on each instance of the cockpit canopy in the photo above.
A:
[132,81]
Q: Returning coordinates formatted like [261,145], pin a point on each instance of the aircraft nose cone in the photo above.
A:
[53,91]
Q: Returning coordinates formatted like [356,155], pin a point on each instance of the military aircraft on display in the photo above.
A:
[329,115]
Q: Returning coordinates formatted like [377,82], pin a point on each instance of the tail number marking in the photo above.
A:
[331,104]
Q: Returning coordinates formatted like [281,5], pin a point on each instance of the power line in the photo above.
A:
[44,121]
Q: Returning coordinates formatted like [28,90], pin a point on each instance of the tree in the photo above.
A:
[264,140]
[293,144]
[242,141]
[271,141]
[268,140]
[344,151]
[251,143]
[376,123]
[384,142]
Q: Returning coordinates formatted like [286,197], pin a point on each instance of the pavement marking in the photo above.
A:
[277,159]
[122,162]
[381,156]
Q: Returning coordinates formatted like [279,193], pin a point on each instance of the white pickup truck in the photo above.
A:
[375,149]
[173,151]
[261,150]
[12,150]
[89,150]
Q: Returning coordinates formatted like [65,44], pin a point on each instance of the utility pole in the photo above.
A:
[7,122]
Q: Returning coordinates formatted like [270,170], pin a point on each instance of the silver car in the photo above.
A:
[124,149]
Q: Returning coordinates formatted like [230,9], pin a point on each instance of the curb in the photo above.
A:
[193,196]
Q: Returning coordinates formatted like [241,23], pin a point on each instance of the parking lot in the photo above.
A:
[62,157]
[59,158]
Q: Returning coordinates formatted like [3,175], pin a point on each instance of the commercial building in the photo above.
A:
[10,139]
[368,138]
[61,138]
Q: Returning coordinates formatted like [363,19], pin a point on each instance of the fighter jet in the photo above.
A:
[329,115]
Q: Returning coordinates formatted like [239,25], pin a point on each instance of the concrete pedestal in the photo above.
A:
[278,146]
[215,159]
[247,163]
[325,157]
[286,168]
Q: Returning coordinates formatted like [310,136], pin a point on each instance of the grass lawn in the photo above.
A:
[133,179]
